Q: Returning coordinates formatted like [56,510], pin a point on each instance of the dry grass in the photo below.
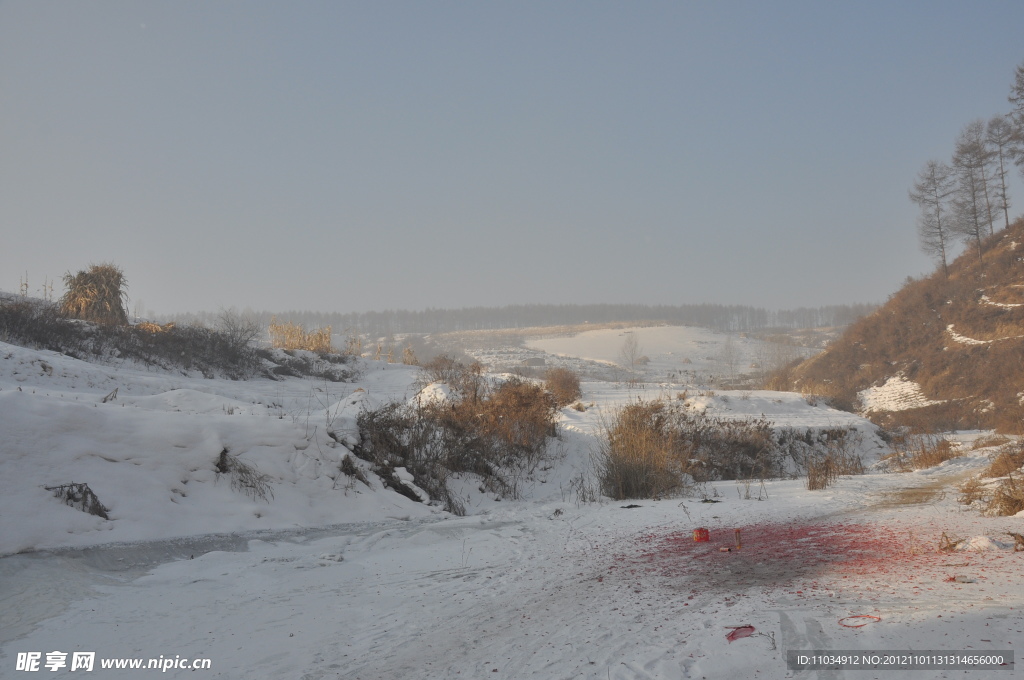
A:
[245,477]
[1009,459]
[293,336]
[640,454]
[948,543]
[989,441]
[919,452]
[971,492]
[976,383]
[656,448]
[823,471]
[1008,498]
[97,294]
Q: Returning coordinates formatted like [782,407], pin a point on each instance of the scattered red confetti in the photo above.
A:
[804,555]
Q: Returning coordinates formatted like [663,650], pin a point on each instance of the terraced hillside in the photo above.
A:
[942,353]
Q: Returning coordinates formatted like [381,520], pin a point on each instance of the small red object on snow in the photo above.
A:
[739,632]
[739,543]
[701,535]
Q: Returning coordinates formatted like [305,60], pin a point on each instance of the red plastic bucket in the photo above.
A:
[701,535]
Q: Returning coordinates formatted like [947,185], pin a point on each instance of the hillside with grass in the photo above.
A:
[944,353]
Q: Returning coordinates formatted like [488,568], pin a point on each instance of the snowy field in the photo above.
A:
[673,353]
[331,578]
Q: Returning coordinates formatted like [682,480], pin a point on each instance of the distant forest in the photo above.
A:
[715,317]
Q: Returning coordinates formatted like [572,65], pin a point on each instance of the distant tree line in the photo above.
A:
[966,199]
[717,317]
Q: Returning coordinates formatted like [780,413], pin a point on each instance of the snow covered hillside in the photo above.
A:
[325,576]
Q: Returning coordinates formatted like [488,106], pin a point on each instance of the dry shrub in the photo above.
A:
[293,336]
[971,491]
[640,455]
[349,468]
[564,385]
[245,477]
[241,330]
[353,343]
[517,413]
[949,543]
[1008,497]
[918,452]
[97,294]
[1009,459]
[169,347]
[655,448]
[79,495]
[149,327]
[831,459]
[498,432]
[821,473]
[466,379]
[989,441]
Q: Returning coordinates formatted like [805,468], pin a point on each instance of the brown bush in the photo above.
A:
[564,385]
[655,448]
[467,379]
[640,454]
[500,433]
[519,413]
[98,294]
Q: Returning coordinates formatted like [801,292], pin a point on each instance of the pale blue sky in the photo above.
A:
[345,156]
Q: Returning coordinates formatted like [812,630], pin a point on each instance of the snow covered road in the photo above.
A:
[554,591]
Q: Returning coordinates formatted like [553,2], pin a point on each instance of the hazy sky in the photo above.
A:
[352,156]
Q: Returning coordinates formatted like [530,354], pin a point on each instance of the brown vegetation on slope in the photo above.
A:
[960,338]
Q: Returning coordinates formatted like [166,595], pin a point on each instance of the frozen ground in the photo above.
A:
[334,579]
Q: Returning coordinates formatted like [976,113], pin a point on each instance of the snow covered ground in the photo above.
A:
[897,394]
[674,353]
[330,578]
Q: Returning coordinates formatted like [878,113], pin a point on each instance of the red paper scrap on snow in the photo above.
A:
[739,632]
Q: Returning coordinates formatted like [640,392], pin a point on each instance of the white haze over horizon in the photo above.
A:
[348,157]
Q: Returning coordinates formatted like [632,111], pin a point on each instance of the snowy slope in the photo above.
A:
[331,578]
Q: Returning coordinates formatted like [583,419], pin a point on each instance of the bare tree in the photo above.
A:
[1016,117]
[999,137]
[729,355]
[629,356]
[932,192]
[240,329]
[971,205]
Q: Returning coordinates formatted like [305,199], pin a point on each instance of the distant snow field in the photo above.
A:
[328,577]
[671,353]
